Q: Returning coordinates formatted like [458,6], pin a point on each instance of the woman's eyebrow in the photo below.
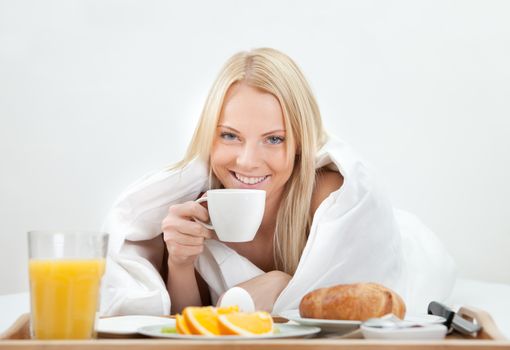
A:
[237,131]
[273,131]
[228,127]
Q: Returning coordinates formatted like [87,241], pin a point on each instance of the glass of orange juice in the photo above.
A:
[65,270]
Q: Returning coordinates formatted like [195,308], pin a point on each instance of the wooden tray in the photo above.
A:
[17,337]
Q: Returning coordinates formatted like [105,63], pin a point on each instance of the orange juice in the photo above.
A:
[64,296]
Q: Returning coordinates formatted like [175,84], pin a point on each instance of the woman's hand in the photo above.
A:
[183,236]
[265,289]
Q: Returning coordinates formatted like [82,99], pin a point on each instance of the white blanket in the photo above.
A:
[356,236]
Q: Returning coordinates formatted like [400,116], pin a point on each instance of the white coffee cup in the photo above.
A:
[235,214]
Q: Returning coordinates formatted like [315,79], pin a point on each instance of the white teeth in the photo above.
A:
[250,180]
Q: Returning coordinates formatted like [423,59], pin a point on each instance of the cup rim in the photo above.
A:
[235,190]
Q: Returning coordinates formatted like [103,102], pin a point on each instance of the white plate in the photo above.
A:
[129,324]
[281,331]
[344,326]
[337,326]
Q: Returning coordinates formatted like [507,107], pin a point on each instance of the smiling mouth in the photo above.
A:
[249,180]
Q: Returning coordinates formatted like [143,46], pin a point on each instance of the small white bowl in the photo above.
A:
[427,332]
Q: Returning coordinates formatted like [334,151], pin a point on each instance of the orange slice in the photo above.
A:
[227,309]
[201,320]
[181,326]
[238,323]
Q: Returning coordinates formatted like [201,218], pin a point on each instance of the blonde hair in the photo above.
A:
[275,73]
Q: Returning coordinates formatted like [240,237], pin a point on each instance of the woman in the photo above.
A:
[260,128]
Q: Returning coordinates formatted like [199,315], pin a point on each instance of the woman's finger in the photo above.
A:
[193,228]
[190,210]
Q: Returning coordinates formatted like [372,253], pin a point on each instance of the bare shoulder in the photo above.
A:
[326,182]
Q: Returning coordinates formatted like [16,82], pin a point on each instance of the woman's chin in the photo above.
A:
[259,186]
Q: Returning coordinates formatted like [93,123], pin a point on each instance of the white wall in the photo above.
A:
[94,94]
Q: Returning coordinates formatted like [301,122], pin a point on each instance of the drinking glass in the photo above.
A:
[65,270]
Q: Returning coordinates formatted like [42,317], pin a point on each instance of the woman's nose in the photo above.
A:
[249,156]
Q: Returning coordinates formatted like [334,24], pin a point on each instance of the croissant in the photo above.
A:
[359,301]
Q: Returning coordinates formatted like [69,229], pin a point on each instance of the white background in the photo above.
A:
[94,94]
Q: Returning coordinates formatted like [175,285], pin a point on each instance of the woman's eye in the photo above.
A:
[228,136]
[275,140]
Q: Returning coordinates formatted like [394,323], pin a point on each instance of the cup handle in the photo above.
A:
[207,225]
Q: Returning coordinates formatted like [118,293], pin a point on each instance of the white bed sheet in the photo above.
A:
[491,297]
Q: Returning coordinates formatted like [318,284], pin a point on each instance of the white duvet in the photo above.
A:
[356,236]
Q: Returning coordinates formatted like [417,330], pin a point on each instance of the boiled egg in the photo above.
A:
[240,297]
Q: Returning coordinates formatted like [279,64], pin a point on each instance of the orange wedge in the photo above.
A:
[181,326]
[201,320]
[238,323]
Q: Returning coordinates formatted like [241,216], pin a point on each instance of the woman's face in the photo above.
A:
[249,149]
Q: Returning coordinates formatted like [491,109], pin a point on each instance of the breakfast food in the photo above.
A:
[213,321]
[359,301]
[239,323]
